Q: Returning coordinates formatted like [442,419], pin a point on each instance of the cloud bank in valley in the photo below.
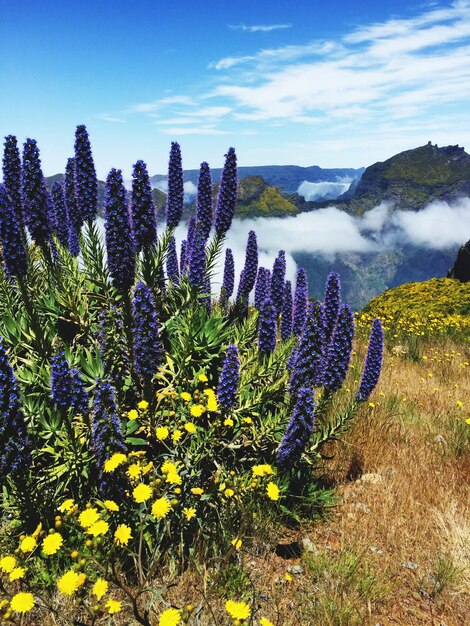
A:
[323,190]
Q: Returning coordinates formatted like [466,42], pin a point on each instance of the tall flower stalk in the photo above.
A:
[12,238]
[300,301]
[35,200]
[175,199]
[12,175]
[148,351]
[298,432]
[144,221]
[227,199]
[229,378]
[86,183]
[228,281]
[204,200]
[277,281]
[373,362]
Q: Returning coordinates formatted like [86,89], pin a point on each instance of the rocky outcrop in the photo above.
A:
[461,267]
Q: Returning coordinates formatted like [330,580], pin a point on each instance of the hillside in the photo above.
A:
[411,180]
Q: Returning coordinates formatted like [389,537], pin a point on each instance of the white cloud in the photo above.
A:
[199,130]
[109,118]
[259,28]
[147,107]
[323,189]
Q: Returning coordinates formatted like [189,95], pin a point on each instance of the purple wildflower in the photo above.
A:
[172,270]
[286,318]
[373,362]
[227,194]
[61,381]
[86,183]
[12,176]
[332,304]
[228,282]
[175,199]
[298,432]
[338,353]
[11,237]
[262,287]
[277,281]
[308,360]
[75,219]
[197,260]
[300,301]
[204,200]
[229,378]
[61,225]
[148,351]
[267,328]
[35,200]
[144,221]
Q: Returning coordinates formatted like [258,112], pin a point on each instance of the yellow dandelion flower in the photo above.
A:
[143,404]
[237,543]
[28,544]
[247,420]
[100,588]
[228,421]
[133,414]
[98,528]
[212,404]
[17,573]
[110,505]
[142,493]
[134,470]
[176,436]
[186,396]
[170,617]
[66,506]
[237,610]
[7,564]
[273,491]
[262,470]
[197,410]
[88,517]
[161,508]
[114,461]
[189,513]
[459,403]
[113,606]
[265,622]
[69,582]
[288,577]
[122,535]
[146,469]
[22,602]
[52,543]
[197,491]
[190,427]
[168,467]
[228,493]
[467,421]
[203,378]
[162,433]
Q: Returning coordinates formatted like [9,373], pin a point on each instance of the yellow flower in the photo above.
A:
[22,602]
[174,478]
[197,410]
[176,436]
[66,505]
[237,610]
[98,528]
[459,403]
[197,491]
[69,583]
[237,542]
[228,421]
[111,505]
[189,513]
[247,420]
[265,622]
[229,493]
[190,427]
[146,469]
[162,433]
[7,564]
[212,404]
[160,508]
[28,544]
[186,396]
[100,588]
[372,405]
[142,493]
[262,470]
[143,404]
[467,421]
[203,378]
[88,517]
[122,535]
[273,491]
[17,573]
[134,470]
[169,467]
[114,461]
[133,414]
[170,617]
[113,606]
[52,543]
[288,577]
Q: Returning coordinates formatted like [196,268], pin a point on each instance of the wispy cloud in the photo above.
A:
[110,118]
[187,130]
[148,107]
[259,28]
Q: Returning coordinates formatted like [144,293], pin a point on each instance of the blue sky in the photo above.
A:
[336,84]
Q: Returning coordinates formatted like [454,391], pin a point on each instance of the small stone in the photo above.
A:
[308,545]
[440,439]
[410,565]
[362,507]
[376,550]
[372,478]
[416,596]
[295,569]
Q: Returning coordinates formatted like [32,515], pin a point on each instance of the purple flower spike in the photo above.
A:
[229,378]
[175,200]
[197,261]
[86,183]
[61,381]
[15,443]
[204,200]
[75,219]
[119,242]
[262,287]
[277,281]
[12,176]
[300,301]
[228,282]
[227,194]
[251,266]
[144,221]
[183,256]
[308,360]
[286,318]
[172,268]
[61,214]
[373,362]
[11,237]
[338,354]
[267,328]
[332,304]
[298,431]
[80,398]
[35,200]
[148,351]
